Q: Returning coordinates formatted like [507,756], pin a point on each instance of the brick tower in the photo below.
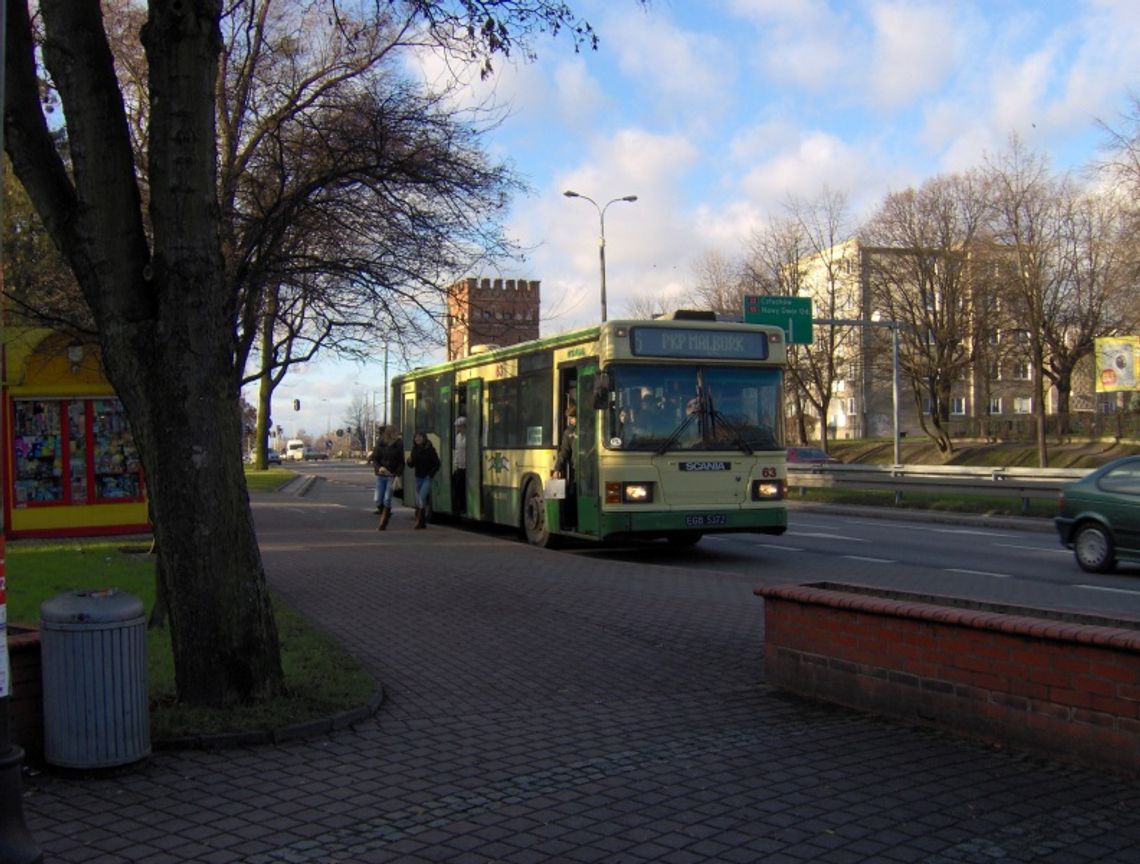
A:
[491,312]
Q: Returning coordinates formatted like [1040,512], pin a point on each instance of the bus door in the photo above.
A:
[408,481]
[585,472]
[443,422]
[475,448]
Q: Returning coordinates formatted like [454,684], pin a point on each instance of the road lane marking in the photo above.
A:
[1109,590]
[981,532]
[737,538]
[869,560]
[823,535]
[978,572]
[1033,548]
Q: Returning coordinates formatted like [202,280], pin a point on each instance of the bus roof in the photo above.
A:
[585,334]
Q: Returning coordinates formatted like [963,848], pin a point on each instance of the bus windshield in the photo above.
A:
[694,407]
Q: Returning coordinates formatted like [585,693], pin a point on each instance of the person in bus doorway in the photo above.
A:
[564,462]
[387,461]
[424,462]
[459,467]
[565,457]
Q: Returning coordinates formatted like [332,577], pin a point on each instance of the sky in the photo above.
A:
[716,113]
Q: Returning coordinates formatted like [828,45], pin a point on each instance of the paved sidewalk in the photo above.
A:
[546,706]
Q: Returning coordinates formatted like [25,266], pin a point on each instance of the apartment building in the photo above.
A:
[987,363]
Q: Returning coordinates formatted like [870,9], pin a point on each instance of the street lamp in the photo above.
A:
[569,193]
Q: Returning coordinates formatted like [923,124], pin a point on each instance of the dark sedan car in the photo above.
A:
[1100,515]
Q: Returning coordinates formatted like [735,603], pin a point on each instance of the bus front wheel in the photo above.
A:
[535,530]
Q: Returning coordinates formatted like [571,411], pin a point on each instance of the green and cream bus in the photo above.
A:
[679,431]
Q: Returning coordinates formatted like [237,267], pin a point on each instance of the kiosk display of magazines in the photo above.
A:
[70,466]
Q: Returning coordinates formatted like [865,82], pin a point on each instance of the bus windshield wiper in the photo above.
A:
[676,436]
[737,432]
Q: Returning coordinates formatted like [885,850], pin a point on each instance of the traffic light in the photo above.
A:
[296,404]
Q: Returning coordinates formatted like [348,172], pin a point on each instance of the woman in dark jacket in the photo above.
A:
[424,462]
[387,461]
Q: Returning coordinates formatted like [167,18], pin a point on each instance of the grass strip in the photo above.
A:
[321,678]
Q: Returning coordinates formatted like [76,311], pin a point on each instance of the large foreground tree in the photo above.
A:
[145,245]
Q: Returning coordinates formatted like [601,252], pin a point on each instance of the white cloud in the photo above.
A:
[686,74]
[578,95]
[801,43]
[915,49]
[806,13]
[802,168]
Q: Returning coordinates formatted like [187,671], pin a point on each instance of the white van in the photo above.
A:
[294,450]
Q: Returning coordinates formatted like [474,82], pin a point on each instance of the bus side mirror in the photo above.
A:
[602,390]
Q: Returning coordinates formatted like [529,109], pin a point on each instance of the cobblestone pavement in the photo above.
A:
[544,706]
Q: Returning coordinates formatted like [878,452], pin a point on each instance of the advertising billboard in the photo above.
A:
[1117,359]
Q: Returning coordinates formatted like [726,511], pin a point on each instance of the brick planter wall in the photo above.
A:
[25,704]
[1066,686]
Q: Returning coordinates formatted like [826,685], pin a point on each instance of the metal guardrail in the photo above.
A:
[1021,483]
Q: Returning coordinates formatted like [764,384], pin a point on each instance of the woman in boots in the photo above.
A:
[424,462]
[388,461]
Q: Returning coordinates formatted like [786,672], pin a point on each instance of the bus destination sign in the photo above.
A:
[698,344]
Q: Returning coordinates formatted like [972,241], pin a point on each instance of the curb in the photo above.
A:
[300,486]
[293,732]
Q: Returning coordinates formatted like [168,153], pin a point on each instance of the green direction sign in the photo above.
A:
[791,313]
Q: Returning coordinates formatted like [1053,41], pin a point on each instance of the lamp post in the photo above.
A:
[570,193]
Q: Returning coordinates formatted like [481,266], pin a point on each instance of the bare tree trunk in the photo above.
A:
[267,384]
[164,316]
[1039,407]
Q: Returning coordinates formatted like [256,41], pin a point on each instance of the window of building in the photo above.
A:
[995,404]
[1023,405]
[1021,370]
[958,405]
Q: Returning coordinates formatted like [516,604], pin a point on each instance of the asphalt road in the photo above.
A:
[995,560]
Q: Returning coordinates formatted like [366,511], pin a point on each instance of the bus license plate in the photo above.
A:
[706,520]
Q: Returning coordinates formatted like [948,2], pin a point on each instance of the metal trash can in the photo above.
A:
[93,656]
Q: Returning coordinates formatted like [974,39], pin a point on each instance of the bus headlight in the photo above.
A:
[629,493]
[767,490]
